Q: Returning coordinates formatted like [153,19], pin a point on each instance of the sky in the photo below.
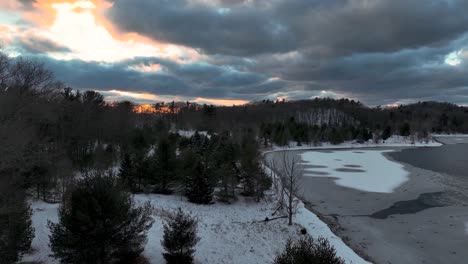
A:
[227,52]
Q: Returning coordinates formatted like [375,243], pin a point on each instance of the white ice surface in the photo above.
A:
[376,172]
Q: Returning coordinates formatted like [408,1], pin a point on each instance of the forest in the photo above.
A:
[59,144]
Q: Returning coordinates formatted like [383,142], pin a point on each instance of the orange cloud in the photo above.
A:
[224,102]
[83,27]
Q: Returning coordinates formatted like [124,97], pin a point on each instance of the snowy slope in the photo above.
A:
[227,231]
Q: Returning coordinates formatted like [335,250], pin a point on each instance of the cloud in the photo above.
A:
[240,31]
[32,43]
[325,28]
[170,80]
[376,51]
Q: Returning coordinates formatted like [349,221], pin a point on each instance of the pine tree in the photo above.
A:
[387,133]
[16,231]
[180,238]
[99,223]
[188,162]
[164,166]
[307,251]
[200,190]
[223,162]
[127,172]
[253,178]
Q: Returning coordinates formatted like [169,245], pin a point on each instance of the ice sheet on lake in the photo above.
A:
[380,174]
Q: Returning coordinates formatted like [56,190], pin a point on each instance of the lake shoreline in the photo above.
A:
[399,238]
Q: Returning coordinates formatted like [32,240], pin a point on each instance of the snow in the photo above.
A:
[227,231]
[365,170]
[450,135]
[190,133]
[42,212]
[315,226]
[394,141]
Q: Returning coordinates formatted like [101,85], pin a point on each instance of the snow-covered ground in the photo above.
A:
[394,141]
[450,135]
[227,231]
[366,170]
[190,133]
[42,212]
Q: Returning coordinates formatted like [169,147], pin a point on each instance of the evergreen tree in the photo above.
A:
[16,232]
[180,238]
[335,136]
[99,223]
[253,178]
[200,190]
[127,172]
[223,161]
[405,130]
[228,180]
[387,133]
[307,251]
[164,166]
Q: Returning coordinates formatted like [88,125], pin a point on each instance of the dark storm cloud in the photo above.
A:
[340,27]
[36,44]
[239,30]
[195,80]
[324,28]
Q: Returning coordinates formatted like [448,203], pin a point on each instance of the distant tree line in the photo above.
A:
[326,119]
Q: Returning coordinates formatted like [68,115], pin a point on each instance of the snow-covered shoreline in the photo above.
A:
[317,228]
[394,141]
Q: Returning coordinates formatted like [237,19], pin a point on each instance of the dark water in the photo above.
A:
[450,159]
[423,202]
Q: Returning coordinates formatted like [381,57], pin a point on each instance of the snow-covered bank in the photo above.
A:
[317,228]
[366,170]
[228,234]
[227,231]
[394,141]
[449,135]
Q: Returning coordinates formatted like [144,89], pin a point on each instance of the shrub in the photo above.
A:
[307,251]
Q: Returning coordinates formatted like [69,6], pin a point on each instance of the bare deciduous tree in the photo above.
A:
[287,182]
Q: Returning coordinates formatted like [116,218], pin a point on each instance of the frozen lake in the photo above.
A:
[389,209]
[451,159]
[365,170]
